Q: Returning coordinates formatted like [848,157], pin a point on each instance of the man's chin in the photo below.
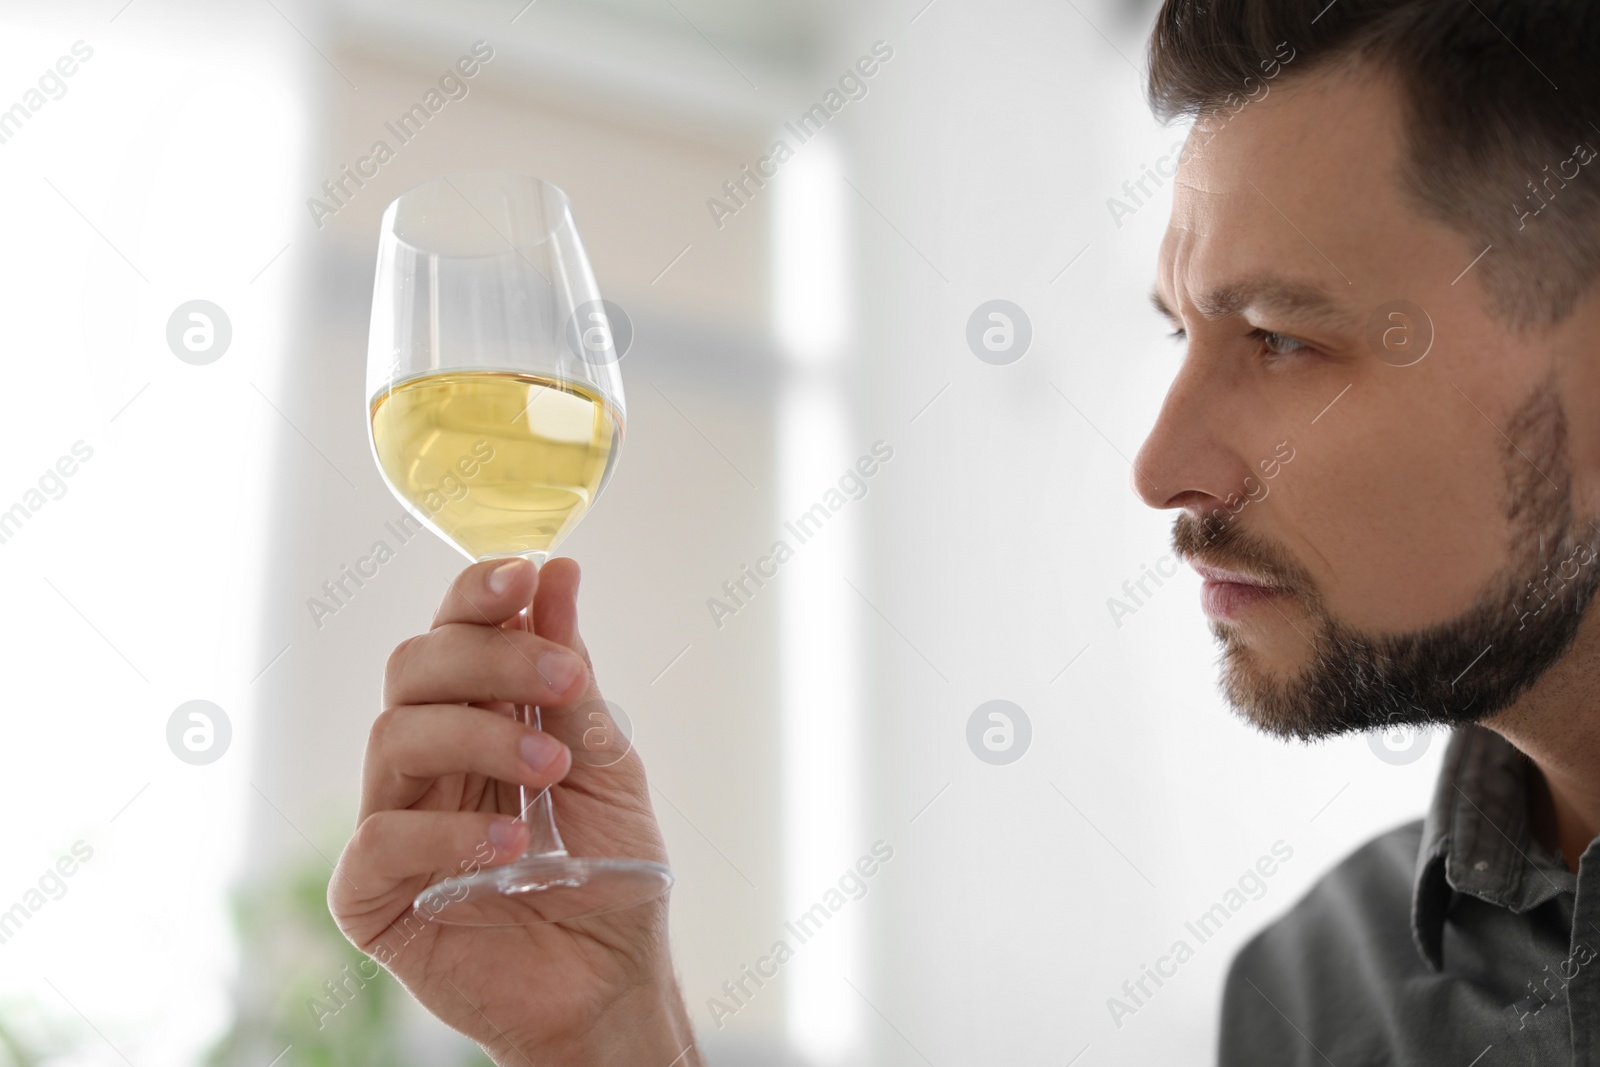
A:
[1344,682]
[1273,703]
[1303,698]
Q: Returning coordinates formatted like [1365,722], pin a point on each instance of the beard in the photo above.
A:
[1461,670]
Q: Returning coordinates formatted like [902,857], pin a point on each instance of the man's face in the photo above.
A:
[1400,510]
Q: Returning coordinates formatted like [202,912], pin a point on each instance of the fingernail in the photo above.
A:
[500,578]
[558,669]
[506,834]
[539,751]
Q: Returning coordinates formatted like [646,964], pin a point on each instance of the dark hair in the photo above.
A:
[1497,95]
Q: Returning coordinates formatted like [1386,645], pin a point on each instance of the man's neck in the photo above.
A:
[1556,724]
[1561,818]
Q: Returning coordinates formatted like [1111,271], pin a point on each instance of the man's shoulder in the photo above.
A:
[1334,959]
[1366,893]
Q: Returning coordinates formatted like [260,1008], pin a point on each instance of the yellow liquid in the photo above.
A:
[499,463]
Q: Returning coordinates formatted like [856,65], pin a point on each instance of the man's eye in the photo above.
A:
[1274,344]
[1277,344]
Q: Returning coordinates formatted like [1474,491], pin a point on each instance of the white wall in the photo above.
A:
[158,172]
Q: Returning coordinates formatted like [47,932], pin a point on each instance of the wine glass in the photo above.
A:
[496,415]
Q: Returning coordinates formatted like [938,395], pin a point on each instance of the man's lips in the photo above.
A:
[1228,594]
[1217,574]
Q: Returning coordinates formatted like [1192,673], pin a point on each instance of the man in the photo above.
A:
[1383,446]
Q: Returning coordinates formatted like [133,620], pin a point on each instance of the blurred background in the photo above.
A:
[783,330]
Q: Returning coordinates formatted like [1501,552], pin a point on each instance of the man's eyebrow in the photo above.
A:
[1306,303]
[1160,304]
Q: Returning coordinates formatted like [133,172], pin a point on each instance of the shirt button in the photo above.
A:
[1481,865]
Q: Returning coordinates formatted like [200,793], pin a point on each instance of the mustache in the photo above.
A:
[1227,546]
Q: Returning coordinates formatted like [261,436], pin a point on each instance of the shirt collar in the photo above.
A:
[1476,839]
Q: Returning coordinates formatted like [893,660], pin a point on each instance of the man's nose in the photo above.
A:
[1185,462]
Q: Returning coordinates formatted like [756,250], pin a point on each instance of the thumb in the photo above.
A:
[555,607]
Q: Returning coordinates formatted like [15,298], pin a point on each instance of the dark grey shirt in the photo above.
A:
[1456,940]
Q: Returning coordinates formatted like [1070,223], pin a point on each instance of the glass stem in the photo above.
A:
[537,810]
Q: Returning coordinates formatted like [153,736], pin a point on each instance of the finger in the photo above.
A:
[488,593]
[585,723]
[392,846]
[459,663]
[411,745]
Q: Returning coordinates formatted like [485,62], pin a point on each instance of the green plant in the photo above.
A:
[306,993]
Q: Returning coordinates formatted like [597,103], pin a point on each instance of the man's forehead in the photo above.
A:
[1235,241]
[1234,216]
[1274,212]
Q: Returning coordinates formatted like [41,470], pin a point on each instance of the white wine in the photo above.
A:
[498,462]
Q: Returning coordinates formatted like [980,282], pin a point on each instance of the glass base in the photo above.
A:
[542,889]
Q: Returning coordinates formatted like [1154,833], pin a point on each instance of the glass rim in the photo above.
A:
[388,232]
